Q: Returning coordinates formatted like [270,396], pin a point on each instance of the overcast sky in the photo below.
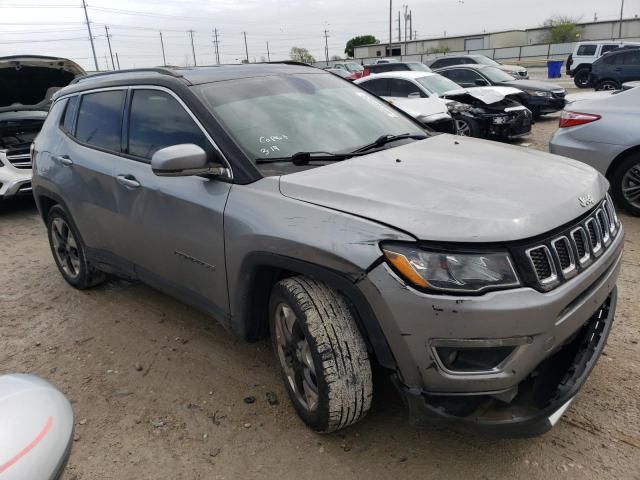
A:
[56,27]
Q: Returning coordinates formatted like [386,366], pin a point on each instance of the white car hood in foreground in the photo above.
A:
[487,95]
[456,189]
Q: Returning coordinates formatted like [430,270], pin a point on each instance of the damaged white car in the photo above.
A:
[483,112]
[26,86]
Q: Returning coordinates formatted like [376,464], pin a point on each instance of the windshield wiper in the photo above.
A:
[303,158]
[384,139]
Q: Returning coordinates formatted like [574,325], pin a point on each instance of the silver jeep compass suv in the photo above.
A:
[282,199]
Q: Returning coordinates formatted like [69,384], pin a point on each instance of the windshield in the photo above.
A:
[485,60]
[278,116]
[354,67]
[418,67]
[496,75]
[438,84]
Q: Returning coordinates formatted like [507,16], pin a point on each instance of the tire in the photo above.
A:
[322,356]
[69,252]
[626,176]
[467,127]
[608,85]
[582,77]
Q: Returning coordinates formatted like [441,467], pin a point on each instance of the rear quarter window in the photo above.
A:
[586,50]
[100,119]
[68,119]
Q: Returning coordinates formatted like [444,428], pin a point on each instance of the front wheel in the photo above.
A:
[467,127]
[625,184]
[322,356]
[581,78]
[608,85]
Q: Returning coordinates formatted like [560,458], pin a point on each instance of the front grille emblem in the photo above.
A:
[586,200]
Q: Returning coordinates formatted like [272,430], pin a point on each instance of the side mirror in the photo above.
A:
[415,95]
[481,83]
[183,160]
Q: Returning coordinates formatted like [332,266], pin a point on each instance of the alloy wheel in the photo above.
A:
[295,357]
[631,185]
[608,86]
[65,247]
[463,128]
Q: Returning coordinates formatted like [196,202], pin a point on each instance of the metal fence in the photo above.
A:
[525,55]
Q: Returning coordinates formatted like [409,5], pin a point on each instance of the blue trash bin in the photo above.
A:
[554,68]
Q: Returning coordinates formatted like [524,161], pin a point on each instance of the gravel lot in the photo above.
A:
[159,389]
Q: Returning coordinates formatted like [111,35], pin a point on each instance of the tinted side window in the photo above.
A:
[70,114]
[587,50]
[607,48]
[100,119]
[627,58]
[377,87]
[156,121]
[402,88]
[462,75]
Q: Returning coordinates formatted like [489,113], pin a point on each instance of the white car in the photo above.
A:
[432,112]
[585,53]
[485,112]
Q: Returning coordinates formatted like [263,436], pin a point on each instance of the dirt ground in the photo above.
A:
[159,389]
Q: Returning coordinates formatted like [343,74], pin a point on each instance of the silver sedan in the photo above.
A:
[603,132]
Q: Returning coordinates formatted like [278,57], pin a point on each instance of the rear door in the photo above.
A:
[400,88]
[174,232]
[84,166]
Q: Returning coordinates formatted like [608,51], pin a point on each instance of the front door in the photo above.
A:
[175,235]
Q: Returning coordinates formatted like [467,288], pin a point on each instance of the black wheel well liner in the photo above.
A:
[620,158]
[261,270]
[581,66]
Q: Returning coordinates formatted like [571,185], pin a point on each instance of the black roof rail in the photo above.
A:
[160,70]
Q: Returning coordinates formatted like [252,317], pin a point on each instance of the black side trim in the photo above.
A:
[245,295]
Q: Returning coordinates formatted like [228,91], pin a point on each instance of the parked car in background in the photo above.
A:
[355,69]
[479,112]
[394,67]
[578,65]
[603,133]
[386,60]
[432,112]
[515,71]
[281,199]
[539,97]
[26,85]
[343,73]
[610,71]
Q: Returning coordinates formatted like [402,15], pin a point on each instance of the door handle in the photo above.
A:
[128,181]
[64,160]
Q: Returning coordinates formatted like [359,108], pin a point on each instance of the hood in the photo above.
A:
[512,68]
[417,107]
[487,95]
[534,85]
[455,189]
[28,82]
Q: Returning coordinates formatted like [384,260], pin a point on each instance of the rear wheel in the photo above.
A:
[322,356]
[581,77]
[608,85]
[68,251]
[625,184]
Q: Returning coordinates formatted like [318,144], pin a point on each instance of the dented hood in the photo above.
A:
[29,81]
[487,95]
[417,107]
[456,189]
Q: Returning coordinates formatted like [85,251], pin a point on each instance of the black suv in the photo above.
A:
[613,69]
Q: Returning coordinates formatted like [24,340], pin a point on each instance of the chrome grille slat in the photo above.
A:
[565,255]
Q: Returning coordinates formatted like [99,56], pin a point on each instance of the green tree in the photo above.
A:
[298,54]
[357,41]
[562,29]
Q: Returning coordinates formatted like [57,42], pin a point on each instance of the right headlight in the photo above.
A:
[457,107]
[451,272]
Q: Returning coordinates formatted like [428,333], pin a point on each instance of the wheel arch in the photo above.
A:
[261,270]
[621,157]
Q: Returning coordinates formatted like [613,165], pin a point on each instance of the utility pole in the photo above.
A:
[93,48]
[326,47]
[117,61]
[164,58]
[399,29]
[621,11]
[410,25]
[390,27]
[215,34]
[246,49]
[193,49]
[106,61]
[268,54]
[106,30]
[406,17]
